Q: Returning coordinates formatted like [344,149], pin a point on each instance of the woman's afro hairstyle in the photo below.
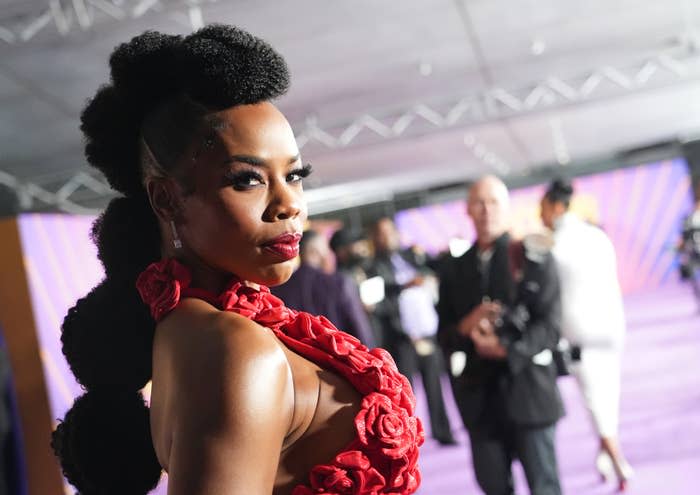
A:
[105,445]
[216,67]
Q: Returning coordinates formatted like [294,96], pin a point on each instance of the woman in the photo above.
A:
[592,319]
[248,397]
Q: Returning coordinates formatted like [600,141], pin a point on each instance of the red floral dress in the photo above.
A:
[383,457]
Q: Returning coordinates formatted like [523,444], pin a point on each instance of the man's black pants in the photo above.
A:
[431,367]
[494,449]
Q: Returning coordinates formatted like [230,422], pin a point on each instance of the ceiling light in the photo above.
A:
[538,46]
[425,68]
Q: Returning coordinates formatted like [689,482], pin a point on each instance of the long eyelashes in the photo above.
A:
[242,180]
[247,179]
[301,173]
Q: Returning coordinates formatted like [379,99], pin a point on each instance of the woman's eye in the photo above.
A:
[244,180]
[252,181]
[294,177]
[299,174]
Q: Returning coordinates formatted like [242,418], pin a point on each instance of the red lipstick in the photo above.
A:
[285,246]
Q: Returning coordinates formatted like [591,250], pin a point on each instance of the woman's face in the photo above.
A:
[547,212]
[246,210]
[550,211]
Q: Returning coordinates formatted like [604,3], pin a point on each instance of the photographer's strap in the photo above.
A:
[516,259]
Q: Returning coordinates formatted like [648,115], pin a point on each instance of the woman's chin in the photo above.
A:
[278,275]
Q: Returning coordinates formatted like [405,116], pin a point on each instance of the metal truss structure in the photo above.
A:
[66,16]
[489,105]
[498,103]
[31,196]
[466,111]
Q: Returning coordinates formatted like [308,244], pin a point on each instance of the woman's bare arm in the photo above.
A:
[232,409]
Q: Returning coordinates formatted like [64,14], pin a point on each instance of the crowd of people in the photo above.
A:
[504,321]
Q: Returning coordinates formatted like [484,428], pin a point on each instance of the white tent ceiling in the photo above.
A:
[386,96]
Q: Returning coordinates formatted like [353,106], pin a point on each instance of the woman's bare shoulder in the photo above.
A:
[218,356]
[230,399]
[197,325]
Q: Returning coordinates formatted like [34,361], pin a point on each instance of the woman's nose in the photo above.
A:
[287,201]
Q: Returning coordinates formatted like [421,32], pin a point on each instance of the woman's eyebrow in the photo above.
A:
[249,159]
[255,161]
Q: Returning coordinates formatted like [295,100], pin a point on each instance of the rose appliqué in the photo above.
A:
[382,425]
[161,284]
[351,473]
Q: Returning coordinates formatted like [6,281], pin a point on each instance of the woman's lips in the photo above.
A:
[285,246]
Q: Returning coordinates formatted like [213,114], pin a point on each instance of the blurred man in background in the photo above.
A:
[499,314]
[408,321]
[351,253]
[334,295]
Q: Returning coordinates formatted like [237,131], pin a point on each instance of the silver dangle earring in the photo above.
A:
[177,243]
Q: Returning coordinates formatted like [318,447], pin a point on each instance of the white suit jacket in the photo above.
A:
[592,309]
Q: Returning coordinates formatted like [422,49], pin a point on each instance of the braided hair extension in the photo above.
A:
[162,88]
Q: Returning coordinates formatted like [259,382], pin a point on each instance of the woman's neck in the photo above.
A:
[204,276]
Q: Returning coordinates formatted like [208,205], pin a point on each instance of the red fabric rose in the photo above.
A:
[402,475]
[274,312]
[381,425]
[362,360]
[406,482]
[302,490]
[303,328]
[337,343]
[228,299]
[160,285]
[384,355]
[350,474]
[392,384]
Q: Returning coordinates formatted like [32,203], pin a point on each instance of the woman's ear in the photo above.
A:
[164,196]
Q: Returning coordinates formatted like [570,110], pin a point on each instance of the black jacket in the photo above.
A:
[515,389]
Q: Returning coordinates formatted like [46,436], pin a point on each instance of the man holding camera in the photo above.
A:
[499,313]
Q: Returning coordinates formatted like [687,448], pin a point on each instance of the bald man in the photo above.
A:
[499,314]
